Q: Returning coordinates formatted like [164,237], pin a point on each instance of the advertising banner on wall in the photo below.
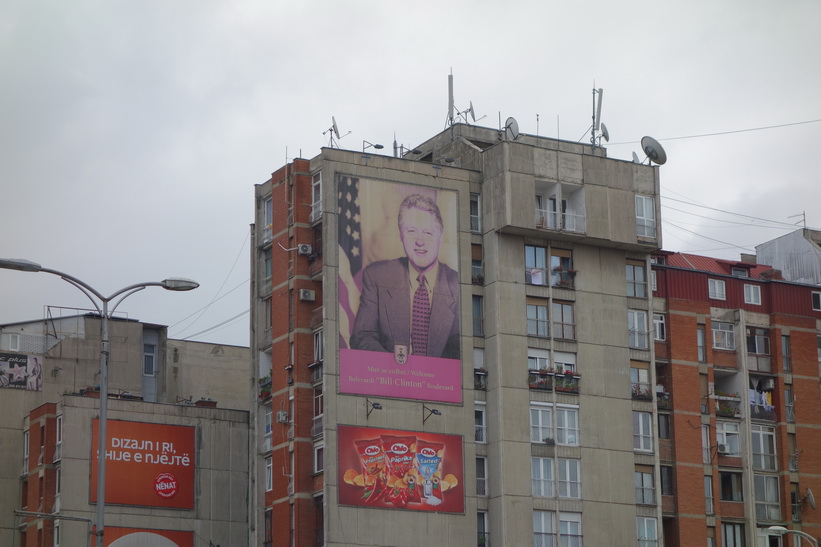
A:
[21,371]
[398,290]
[150,465]
[394,469]
[141,537]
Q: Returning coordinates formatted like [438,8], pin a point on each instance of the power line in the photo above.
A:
[723,132]
[209,329]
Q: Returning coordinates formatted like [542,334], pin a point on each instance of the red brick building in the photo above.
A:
[737,352]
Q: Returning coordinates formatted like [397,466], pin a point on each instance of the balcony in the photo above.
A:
[317,372]
[563,278]
[728,406]
[567,383]
[759,362]
[542,381]
[641,391]
[567,221]
[664,401]
[480,379]
[264,388]
[763,412]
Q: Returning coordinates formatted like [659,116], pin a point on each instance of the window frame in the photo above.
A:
[149,356]
[768,508]
[637,329]
[636,276]
[269,474]
[477,315]
[729,434]
[758,341]
[480,422]
[731,486]
[645,216]
[567,433]
[319,457]
[752,294]
[535,265]
[716,289]
[543,424]
[540,320]
[542,477]
[643,431]
[815,297]
[475,216]
[709,499]
[659,327]
[727,334]
[732,534]
[642,529]
[316,196]
[481,477]
[564,329]
[764,447]
[537,357]
[568,478]
[645,486]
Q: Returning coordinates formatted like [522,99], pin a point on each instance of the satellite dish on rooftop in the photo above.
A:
[511,129]
[655,152]
[605,133]
[472,113]
[810,498]
[636,158]
[334,132]
[334,127]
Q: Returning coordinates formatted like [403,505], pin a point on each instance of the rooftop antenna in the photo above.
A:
[655,152]
[334,132]
[449,121]
[596,140]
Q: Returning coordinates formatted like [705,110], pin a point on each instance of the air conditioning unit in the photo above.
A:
[304,249]
[282,416]
[307,295]
[723,448]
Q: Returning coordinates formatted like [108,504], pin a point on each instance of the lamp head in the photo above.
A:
[179,284]
[19,264]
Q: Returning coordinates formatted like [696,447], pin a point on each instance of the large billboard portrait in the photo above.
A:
[149,465]
[398,290]
[116,536]
[393,469]
[21,371]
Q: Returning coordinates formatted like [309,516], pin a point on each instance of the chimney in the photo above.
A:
[748,258]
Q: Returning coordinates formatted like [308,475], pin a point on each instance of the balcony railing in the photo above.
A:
[759,362]
[569,222]
[567,383]
[728,407]
[762,412]
[483,539]
[481,486]
[664,401]
[540,380]
[641,391]
[563,278]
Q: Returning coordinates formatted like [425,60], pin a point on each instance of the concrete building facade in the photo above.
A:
[49,389]
[532,433]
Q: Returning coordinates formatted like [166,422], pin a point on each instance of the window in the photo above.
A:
[642,431]
[636,279]
[789,404]
[637,327]
[266,263]
[268,430]
[544,531]
[541,423]
[267,317]
[763,447]
[645,486]
[319,346]
[535,265]
[701,345]
[58,448]
[786,353]
[269,528]
[477,267]
[666,480]
[752,294]
[767,506]
[570,529]
[482,534]
[149,358]
[645,216]
[640,381]
[564,361]
[562,273]
[709,505]
[541,473]
[818,344]
[481,476]
[731,489]
[319,411]
[733,535]
[480,425]
[58,480]
[269,475]
[319,457]
[537,317]
[646,532]
[816,301]
[475,213]
[267,213]
[563,322]
[14,342]
[478,358]
[727,434]
[739,272]
[567,426]
[316,197]
[537,359]
[478,316]
[57,533]
[758,341]
[723,335]
[715,289]
[659,327]
[654,284]
[569,474]
[664,426]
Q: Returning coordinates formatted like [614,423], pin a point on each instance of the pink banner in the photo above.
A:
[378,374]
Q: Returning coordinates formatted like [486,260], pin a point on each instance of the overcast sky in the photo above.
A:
[132,133]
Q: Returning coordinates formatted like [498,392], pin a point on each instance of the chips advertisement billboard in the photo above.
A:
[149,465]
[116,536]
[396,469]
[399,320]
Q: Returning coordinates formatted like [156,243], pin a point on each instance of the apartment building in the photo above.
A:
[519,420]
[738,352]
[193,395]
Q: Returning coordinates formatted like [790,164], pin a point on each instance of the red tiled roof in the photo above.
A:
[716,265]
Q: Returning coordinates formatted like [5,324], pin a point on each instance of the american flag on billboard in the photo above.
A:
[350,254]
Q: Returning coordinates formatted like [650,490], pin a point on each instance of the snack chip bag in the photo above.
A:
[399,454]
[371,455]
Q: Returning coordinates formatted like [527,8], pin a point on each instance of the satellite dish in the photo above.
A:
[636,158]
[335,128]
[511,129]
[655,152]
[810,498]
[472,114]
[605,133]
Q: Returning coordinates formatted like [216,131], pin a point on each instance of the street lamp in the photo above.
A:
[780,531]
[171,284]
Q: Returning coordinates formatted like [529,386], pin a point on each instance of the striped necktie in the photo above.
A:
[421,318]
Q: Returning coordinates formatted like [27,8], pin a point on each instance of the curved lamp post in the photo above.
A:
[102,305]
[780,531]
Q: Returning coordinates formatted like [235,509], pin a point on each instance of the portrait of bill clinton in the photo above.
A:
[409,305]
